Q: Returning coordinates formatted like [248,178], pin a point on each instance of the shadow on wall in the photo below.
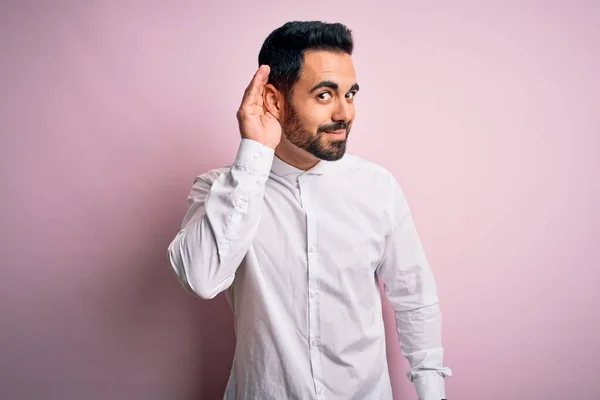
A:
[217,346]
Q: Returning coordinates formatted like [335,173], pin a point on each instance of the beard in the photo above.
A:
[315,143]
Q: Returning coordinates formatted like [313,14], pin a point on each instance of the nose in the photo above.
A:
[343,111]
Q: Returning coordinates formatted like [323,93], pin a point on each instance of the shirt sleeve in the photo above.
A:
[410,287]
[221,222]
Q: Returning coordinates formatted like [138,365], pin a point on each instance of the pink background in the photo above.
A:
[488,114]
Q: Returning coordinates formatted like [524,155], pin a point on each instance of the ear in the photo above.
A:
[273,101]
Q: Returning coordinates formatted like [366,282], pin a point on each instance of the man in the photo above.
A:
[297,233]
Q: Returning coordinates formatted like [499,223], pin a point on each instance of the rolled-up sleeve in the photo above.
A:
[411,289]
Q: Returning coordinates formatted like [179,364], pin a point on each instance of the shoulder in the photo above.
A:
[202,183]
[368,171]
[378,185]
[209,177]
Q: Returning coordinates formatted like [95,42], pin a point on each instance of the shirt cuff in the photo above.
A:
[430,387]
[254,157]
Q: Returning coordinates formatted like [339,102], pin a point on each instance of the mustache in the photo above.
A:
[333,127]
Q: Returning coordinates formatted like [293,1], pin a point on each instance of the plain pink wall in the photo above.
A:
[488,114]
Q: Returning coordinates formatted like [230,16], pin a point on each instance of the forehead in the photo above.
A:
[327,65]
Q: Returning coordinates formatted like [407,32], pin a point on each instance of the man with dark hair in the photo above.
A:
[297,233]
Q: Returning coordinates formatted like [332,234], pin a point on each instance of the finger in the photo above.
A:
[259,98]
[257,87]
[257,84]
[270,115]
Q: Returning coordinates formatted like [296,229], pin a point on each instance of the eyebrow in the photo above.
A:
[332,85]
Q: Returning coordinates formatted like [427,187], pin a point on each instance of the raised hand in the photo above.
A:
[254,120]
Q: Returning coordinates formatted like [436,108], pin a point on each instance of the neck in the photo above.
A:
[295,156]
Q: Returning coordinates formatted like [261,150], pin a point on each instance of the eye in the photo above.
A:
[324,96]
[350,95]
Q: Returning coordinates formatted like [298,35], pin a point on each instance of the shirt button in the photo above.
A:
[320,391]
[314,342]
[311,249]
[313,295]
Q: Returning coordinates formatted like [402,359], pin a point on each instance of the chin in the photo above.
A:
[330,155]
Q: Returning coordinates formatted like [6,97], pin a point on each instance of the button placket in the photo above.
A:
[313,282]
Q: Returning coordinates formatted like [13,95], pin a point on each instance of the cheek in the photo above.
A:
[314,118]
[352,112]
[322,116]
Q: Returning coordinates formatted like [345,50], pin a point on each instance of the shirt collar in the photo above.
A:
[281,168]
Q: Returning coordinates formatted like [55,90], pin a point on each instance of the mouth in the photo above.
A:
[340,133]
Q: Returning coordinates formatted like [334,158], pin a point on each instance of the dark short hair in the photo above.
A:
[283,50]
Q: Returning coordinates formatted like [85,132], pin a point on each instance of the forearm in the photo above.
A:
[420,334]
[221,223]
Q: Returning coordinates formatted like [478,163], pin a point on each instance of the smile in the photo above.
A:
[340,132]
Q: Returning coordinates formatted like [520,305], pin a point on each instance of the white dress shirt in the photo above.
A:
[298,254]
